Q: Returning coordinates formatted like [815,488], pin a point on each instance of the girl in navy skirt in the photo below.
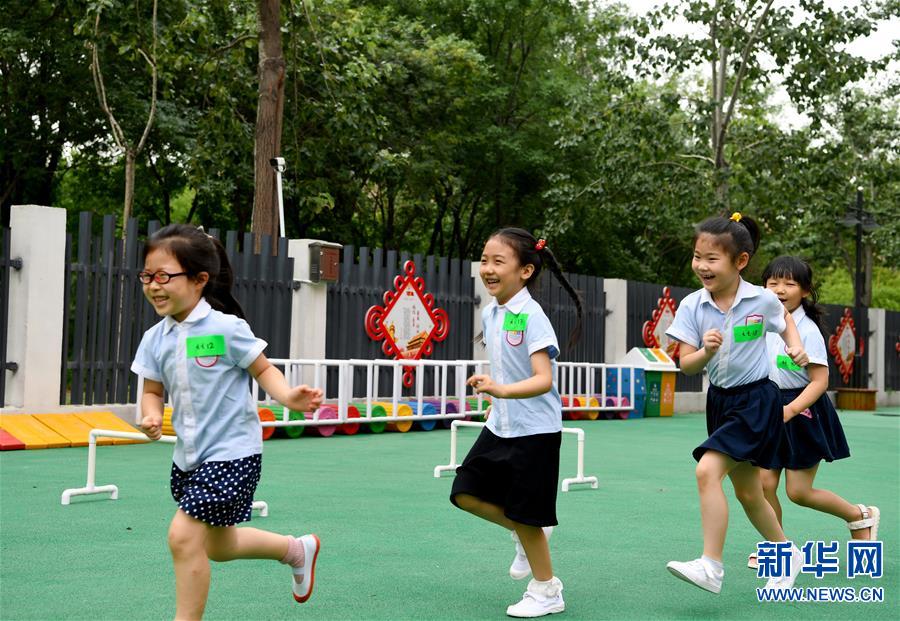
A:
[812,431]
[511,474]
[202,353]
[721,328]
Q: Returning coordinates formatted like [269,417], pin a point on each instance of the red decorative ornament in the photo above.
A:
[843,345]
[654,331]
[540,244]
[408,322]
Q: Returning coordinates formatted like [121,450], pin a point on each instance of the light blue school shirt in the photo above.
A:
[510,354]
[813,343]
[742,358]
[213,412]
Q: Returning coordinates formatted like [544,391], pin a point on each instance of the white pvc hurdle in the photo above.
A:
[577,479]
[91,487]
[574,379]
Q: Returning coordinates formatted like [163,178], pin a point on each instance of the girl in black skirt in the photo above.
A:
[812,431]
[511,474]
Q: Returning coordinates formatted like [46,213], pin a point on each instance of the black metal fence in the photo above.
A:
[643,299]
[365,276]
[892,350]
[830,322]
[106,313]
[7,263]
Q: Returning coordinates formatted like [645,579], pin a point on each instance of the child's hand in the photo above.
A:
[484,383]
[798,355]
[303,398]
[712,341]
[151,425]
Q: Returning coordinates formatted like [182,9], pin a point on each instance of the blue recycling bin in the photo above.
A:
[640,389]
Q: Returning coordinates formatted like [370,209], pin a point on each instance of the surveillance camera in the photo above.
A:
[277,163]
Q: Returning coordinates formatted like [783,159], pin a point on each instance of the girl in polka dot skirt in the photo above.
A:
[201,353]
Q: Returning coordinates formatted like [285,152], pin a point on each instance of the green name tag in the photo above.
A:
[515,323]
[202,346]
[747,333]
[785,362]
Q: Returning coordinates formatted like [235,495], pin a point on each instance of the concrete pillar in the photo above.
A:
[309,306]
[875,348]
[616,329]
[479,352]
[36,306]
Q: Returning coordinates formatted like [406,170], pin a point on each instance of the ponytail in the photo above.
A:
[556,270]
[218,289]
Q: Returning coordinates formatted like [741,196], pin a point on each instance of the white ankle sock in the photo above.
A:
[717,566]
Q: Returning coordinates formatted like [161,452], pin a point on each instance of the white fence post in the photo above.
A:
[36,306]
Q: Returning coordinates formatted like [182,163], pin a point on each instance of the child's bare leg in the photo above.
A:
[187,542]
[485,510]
[770,480]
[537,550]
[710,471]
[801,491]
[230,542]
[748,489]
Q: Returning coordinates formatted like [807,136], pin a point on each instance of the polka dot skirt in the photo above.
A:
[219,493]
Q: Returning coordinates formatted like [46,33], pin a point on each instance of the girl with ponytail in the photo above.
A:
[203,353]
[722,328]
[812,431]
[511,473]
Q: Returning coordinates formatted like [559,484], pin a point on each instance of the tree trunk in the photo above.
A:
[268,121]
[130,163]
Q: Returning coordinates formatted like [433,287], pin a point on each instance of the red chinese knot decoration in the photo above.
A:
[408,322]
[654,332]
[842,345]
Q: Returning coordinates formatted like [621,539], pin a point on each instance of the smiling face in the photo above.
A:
[788,291]
[178,297]
[501,272]
[717,270]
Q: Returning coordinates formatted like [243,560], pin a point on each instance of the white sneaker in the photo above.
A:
[786,582]
[541,598]
[698,573]
[520,568]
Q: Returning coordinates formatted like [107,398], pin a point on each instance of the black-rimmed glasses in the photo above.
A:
[158,277]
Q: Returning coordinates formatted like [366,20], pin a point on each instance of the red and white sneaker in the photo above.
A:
[305,577]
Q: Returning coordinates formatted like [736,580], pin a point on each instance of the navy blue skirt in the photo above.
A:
[744,422]
[810,437]
[219,493]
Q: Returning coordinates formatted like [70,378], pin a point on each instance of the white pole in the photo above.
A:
[278,164]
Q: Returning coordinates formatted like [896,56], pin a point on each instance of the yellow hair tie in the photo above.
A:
[736,216]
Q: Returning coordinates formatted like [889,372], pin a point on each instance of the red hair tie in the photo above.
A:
[540,244]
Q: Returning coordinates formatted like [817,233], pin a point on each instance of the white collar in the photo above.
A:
[200,312]
[516,303]
[745,290]
[798,314]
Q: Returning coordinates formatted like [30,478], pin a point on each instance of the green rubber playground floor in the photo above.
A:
[394,548]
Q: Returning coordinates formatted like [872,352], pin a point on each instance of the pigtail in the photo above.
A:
[553,265]
[218,290]
[752,228]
